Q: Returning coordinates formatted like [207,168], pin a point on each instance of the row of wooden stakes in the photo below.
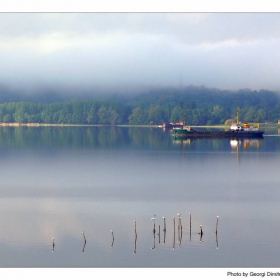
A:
[180,233]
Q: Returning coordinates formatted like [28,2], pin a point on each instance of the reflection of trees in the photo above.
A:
[149,137]
[110,137]
[81,137]
[107,137]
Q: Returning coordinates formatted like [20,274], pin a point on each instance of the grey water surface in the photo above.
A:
[57,182]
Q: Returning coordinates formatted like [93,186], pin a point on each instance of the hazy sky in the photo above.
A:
[126,50]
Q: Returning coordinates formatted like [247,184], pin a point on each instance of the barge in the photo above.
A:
[235,131]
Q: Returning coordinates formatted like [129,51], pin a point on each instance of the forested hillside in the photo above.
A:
[200,106]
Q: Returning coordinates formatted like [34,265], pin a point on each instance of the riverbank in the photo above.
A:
[263,125]
[64,125]
[47,124]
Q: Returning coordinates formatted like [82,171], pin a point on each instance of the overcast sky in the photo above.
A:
[130,50]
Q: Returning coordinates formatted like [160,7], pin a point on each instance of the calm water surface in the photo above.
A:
[57,182]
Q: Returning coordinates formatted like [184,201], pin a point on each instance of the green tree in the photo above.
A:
[7,118]
[218,114]
[91,116]
[156,114]
[20,115]
[114,117]
[250,114]
[176,114]
[103,115]
[260,116]
[138,116]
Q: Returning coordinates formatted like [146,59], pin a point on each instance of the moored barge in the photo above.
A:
[235,131]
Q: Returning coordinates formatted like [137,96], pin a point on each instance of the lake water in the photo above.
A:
[57,182]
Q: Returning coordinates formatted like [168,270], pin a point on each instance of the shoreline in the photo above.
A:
[66,124]
[265,125]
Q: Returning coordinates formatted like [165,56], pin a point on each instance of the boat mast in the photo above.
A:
[238,115]
[184,119]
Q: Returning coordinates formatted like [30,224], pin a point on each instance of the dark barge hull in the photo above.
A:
[182,133]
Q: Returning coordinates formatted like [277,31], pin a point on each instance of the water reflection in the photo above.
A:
[81,137]
[58,184]
[218,143]
[241,145]
[84,246]
[154,246]
[245,143]
[135,240]
[36,138]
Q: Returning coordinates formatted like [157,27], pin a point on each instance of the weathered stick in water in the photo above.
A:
[164,224]
[53,245]
[217,224]
[113,238]
[190,226]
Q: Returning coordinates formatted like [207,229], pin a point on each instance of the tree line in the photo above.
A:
[195,105]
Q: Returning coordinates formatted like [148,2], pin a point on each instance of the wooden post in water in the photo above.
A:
[190,226]
[201,233]
[113,238]
[135,231]
[84,237]
[164,224]
[84,242]
[53,245]
[154,219]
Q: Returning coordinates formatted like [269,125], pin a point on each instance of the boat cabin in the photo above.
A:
[236,127]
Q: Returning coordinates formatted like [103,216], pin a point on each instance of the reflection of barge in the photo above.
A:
[235,131]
